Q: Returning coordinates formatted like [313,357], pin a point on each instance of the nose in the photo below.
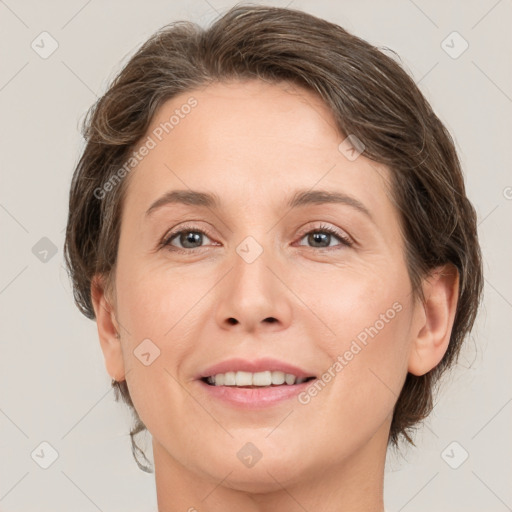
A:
[254,296]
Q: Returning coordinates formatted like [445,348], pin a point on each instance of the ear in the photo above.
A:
[433,328]
[108,330]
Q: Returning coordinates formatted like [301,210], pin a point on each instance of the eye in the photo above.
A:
[188,238]
[322,237]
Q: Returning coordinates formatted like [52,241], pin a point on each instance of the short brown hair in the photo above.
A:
[370,96]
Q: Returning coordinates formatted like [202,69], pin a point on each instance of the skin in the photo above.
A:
[254,144]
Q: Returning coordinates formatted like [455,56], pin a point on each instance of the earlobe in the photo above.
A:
[108,330]
[436,316]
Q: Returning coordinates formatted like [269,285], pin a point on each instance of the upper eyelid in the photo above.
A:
[338,232]
[305,230]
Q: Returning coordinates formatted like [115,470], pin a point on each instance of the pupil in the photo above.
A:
[319,237]
[191,237]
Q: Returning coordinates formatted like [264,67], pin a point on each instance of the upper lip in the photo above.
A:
[254,366]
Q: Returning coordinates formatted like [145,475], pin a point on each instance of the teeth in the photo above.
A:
[229,379]
[262,379]
[278,378]
[289,379]
[243,379]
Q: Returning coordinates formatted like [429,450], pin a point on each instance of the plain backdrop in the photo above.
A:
[53,385]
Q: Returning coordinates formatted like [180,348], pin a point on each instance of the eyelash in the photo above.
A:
[166,242]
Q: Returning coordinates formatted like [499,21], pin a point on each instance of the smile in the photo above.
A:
[259,379]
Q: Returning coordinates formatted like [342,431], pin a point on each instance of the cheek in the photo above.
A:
[373,366]
[370,315]
[367,304]
[357,392]
[155,308]
[374,360]
[155,302]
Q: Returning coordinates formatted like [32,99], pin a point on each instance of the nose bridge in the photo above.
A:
[252,294]
[251,266]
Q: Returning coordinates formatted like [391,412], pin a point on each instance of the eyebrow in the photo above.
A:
[299,199]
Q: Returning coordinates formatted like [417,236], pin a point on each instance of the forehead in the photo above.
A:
[250,143]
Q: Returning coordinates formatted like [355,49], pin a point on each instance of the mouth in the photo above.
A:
[253,384]
[250,380]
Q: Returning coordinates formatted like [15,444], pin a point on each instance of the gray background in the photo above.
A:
[53,384]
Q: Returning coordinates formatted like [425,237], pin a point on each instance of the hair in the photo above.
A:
[371,97]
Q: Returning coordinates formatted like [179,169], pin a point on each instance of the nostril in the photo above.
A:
[232,321]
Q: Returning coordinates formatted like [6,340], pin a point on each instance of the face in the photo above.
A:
[272,278]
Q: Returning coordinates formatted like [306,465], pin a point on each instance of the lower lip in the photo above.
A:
[254,398]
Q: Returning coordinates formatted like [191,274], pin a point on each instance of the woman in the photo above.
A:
[270,227]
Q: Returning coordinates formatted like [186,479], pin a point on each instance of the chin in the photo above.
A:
[260,466]
[261,478]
